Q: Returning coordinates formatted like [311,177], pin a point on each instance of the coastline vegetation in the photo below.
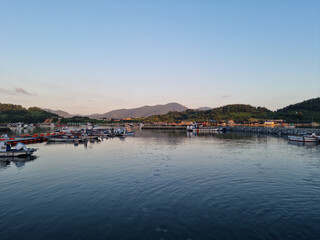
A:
[308,111]
[11,113]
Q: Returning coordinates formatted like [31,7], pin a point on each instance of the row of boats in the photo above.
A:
[195,129]
[85,135]
[15,147]
[20,125]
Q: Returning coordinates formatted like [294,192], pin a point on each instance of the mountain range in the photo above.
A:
[290,112]
[59,112]
[144,111]
[308,110]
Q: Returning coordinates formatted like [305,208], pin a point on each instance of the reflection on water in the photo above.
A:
[19,162]
[164,185]
[304,144]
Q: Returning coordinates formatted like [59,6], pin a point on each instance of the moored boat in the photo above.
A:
[190,128]
[20,150]
[312,137]
[88,137]
[57,139]
[122,132]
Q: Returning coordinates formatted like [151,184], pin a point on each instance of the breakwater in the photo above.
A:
[275,131]
[280,131]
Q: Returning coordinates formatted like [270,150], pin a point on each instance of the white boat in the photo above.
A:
[190,128]
[4,137]
[304,138]
[20,150]
[122,132]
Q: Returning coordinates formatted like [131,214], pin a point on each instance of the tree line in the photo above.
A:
[11,113]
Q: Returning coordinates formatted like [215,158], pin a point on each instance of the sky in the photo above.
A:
[88,57]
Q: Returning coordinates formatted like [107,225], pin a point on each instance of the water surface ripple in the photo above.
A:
[164,185]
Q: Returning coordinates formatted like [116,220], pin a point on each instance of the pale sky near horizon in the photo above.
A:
[96,56]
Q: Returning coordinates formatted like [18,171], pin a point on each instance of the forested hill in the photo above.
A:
[237,112]
[308,110]
[308,105]
[11,113]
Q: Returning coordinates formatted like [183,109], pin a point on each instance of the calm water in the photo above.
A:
[164,185]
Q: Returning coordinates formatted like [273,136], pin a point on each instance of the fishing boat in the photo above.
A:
[20,150]
[122,132]
[88,137]
[63,139]
[4,137]
[311,137]
[127,134]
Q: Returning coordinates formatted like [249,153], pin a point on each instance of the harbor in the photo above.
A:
[158,181]
[64,135]
[71,134]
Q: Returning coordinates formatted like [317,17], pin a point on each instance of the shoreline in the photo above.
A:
[280,131]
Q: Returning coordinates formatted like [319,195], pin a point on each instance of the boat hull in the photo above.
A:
[88,137]
[302,139]
[16,153]
[63,140]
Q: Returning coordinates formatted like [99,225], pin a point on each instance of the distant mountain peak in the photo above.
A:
[59,112]
[144,111]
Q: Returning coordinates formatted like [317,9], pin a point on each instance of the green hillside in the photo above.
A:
[308,110]
[237,112]
[10,113]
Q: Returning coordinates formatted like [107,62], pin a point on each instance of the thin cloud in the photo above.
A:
[5,91]
[225,96]
[23,91]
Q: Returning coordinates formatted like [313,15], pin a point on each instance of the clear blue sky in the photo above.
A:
[95,56]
